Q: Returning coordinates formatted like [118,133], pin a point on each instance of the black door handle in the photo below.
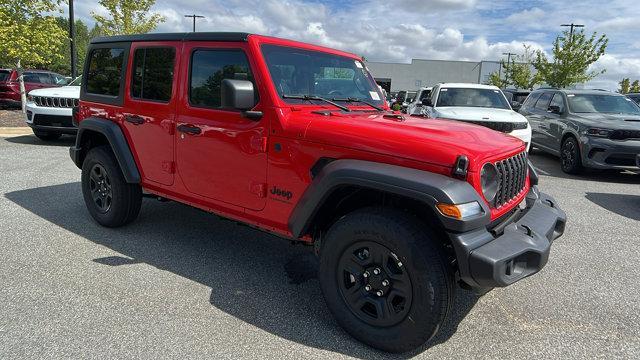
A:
[134,119]
[189,129]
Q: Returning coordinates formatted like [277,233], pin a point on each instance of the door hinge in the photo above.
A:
[259,189]
[259,143]
[168,167]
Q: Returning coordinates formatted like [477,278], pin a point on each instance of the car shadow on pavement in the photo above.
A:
[256,277]
[622,204]
[65,140]
[549,165]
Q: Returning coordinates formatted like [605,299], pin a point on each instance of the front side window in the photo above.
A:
[104,71]
[152,77]
[469,97]
[602,103]
[209,68]
[315,73]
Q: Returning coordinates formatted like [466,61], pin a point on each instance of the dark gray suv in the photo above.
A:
[586,128]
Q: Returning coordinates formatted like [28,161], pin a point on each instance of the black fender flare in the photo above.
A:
[430,188]
[114,135]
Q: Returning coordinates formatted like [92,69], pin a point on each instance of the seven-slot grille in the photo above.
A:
[505,127]
[512,175]
[625,134]
[47,101]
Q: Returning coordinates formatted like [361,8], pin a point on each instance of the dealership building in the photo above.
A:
[419,73]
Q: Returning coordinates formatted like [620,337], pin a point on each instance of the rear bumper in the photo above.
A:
[10,102]
[490,258]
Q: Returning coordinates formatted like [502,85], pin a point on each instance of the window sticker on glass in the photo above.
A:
[358,64]
[444,89]
[374,95]
[571,95]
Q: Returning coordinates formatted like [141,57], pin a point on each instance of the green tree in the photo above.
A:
[625,85]
[30,37]
[127,17]
[520,72]
[29,34]
[572,56]
[635,87]
[496,79]
[82,36]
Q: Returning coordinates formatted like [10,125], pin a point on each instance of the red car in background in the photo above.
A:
[33,79]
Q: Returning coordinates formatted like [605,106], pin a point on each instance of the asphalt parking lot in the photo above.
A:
[180,283]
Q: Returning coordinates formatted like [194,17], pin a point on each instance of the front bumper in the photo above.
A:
[50,119]
[516,248]
[603,153]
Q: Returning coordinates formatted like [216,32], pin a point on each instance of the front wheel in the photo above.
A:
[384,279]
[111,201]
[571,162]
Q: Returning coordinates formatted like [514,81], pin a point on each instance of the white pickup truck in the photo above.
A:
[483,105]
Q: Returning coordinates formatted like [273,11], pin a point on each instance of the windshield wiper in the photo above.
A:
[318,98]
[350,99]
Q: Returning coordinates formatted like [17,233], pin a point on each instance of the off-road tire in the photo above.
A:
[46,135]
[570,158]
[413,244]
[125,198]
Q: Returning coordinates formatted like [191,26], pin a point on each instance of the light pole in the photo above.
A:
[572,26]
[194,16]
[506,69]
[72,37]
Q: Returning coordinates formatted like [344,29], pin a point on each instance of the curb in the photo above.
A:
[15,131]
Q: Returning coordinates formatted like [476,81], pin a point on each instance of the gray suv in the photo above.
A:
[586,128]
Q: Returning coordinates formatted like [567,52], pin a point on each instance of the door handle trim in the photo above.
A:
[134,119]
[189,129]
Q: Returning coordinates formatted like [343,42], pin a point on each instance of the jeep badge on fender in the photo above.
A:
[377,198]
[282,193]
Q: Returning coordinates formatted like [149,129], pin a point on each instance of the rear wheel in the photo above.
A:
[384,279]
[570,159]
[111,201]
[47,135]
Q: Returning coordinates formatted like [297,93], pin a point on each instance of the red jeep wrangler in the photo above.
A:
[297,140]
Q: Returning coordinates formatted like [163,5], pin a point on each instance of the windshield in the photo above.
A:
[318,74]
[602,103]
[4,75]
[485,98]
[76,82]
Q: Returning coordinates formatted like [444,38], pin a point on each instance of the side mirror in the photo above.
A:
[555,109]
[515,105]
[239,95]
[427,102]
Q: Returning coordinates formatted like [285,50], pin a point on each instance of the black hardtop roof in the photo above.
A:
[580,91]
[190,36]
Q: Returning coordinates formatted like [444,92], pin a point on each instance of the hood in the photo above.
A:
[427,140]
[610,121]
[72,92]
[478,114]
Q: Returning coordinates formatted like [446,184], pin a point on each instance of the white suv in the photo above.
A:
[49,111]
[483,105]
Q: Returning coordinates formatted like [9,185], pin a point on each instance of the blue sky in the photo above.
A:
[400,30]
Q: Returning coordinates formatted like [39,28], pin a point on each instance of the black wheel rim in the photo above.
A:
[374,284]
[569,155]
[100,186]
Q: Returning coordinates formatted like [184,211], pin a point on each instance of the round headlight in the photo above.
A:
[489,181]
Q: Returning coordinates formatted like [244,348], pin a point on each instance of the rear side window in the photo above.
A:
[152,77]
[543,102]
[531,100]
[558,101]
[104,71]
[209,68]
